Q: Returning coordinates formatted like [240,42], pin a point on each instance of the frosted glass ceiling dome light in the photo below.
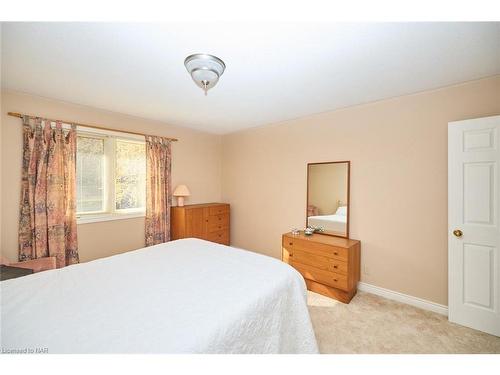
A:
[205,70]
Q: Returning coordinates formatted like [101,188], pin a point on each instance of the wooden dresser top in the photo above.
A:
[201,205]
[321,238]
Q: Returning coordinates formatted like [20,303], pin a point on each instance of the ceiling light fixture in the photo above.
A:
[205,70]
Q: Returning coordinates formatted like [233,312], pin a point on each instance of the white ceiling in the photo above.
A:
[275,72]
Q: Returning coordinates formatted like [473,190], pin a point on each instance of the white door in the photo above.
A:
[473,223]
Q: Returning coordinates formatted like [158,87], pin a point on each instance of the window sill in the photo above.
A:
[87,219]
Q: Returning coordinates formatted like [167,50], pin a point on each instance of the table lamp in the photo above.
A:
[180,192]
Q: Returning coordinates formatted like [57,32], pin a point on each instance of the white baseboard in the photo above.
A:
[404,298]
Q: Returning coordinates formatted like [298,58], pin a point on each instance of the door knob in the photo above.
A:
[458,233]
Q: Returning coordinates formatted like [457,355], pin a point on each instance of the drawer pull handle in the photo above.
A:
[335,280]
[335,266]
[335,253]
[290,243]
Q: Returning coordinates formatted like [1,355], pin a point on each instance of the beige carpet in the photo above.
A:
[372,324]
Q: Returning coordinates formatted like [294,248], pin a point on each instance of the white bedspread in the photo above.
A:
[185,296]
[333,223]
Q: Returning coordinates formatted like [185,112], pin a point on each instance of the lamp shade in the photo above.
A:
[181,191]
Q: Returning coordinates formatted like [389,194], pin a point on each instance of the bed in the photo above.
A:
[184,296]
[332,223]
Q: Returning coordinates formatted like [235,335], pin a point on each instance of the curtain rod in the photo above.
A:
[20,115]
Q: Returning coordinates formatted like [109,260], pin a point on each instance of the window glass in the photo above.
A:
[130,175]
[90,174]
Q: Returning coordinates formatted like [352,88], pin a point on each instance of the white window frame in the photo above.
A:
[110,212]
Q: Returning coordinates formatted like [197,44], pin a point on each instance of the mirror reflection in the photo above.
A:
[328,197]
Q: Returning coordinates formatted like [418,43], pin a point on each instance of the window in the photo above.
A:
[90,175]
[130,176]
[110,176]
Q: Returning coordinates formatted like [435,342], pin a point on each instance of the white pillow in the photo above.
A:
[342,210]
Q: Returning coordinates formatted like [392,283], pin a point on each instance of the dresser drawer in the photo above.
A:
[319,261]
[221,236]
[217,210]
[218,222]
[316,248]
[333,279]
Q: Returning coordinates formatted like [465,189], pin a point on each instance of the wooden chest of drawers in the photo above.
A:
[208,221]
[329,265]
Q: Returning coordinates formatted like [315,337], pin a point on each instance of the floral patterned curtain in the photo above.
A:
[47,222]
[158,190]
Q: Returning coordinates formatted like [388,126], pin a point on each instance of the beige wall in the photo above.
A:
[196,163]
[1,111]
[327,186]
[398,153]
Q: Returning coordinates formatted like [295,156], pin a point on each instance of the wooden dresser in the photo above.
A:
[208,221]
[330,265]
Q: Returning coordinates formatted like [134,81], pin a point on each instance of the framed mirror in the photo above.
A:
[328,197]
